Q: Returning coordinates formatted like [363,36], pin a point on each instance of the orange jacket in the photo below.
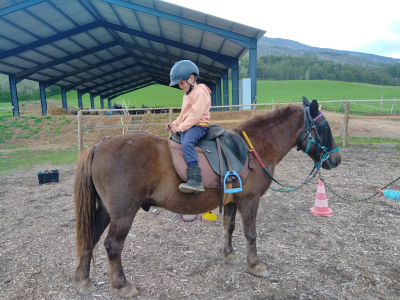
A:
[195,108]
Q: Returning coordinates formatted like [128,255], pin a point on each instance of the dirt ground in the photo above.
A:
[352,255]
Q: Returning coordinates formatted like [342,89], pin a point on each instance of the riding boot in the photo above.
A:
[194,184]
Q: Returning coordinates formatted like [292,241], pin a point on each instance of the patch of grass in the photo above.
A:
[26,159]
[67,121]
[373,140]
[38,120]
[47,117]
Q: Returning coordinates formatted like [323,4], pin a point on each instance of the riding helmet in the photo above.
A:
[182,70]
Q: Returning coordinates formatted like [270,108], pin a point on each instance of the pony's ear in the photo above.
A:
[314,109]
[306,103]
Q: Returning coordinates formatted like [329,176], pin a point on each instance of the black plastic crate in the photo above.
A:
[47,177]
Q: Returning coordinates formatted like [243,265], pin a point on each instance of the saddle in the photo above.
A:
[233,145]
[217,150]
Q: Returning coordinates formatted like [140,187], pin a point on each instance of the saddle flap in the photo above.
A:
[237,145]
[213,132]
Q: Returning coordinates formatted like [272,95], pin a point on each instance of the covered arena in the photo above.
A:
[110,47]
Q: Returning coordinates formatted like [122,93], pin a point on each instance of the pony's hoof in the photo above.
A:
[128,291]
[85,287]
[259,271]
[231,258]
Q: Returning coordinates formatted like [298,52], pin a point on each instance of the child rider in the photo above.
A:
[192,122]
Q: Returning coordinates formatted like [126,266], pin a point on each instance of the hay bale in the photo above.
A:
[57,111]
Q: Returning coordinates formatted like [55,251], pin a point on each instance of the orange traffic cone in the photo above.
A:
[321,202]
[320,107]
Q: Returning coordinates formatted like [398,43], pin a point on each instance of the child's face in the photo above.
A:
[183,85]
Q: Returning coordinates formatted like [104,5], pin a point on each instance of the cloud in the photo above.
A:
[388,44]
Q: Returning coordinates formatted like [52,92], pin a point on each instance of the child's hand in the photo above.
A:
[168,125]
[380,192]
[173,129]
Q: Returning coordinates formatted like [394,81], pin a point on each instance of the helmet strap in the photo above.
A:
[191,85]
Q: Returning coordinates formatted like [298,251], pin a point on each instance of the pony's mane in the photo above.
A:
[270,117]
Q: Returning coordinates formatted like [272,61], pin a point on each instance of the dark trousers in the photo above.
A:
[189,139]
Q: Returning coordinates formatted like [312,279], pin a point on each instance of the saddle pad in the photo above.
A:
[209,178]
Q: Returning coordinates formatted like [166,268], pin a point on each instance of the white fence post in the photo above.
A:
[394,107]
[381,102]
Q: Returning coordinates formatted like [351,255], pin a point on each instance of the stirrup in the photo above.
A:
[232,190]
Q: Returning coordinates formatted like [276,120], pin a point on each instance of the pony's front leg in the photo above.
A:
[248,210]
[114,243]
[229,226]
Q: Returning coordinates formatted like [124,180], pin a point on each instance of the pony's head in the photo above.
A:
[316,137]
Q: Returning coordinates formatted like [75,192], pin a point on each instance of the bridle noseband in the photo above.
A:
[318,124]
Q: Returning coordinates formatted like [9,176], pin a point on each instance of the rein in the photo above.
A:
[309,125]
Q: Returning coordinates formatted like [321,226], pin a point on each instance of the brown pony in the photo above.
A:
[134,170]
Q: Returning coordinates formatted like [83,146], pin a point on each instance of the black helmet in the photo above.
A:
[182,70]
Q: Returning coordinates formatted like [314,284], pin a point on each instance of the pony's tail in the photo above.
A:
[85,202]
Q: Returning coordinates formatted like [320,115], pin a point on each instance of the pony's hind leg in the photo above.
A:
[248,210]
[114,243]
[229,226]
[102,219]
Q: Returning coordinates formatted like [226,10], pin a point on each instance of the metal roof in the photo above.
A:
[107,47]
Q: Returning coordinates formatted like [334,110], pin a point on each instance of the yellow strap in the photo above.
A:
[247,139]
[202,124]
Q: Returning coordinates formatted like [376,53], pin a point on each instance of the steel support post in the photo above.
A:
[64,98]
[14,95]
[225,89]
[92,101]
[109,103]
[101,102]
[80,104]
[235,84]
[213,96]
[42,89]
[218,88]
[253,68]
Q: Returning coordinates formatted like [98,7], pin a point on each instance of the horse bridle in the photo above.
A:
[322,149]
[309,125]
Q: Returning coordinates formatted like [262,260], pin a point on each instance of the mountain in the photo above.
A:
[277,46]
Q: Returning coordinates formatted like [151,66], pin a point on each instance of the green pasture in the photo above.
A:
[27,159]
[267,92]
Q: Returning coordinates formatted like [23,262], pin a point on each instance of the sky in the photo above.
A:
[351,25]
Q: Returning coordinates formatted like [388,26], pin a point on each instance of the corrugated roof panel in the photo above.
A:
[78,63]
[38,77]
[170,30]
[117,65]
[47,13]
[35,56]
[129,61]
[51,72]
[205,60]
[218,22]
[147,3]
[245,30]
[158,46]
[231,49]
[52,51]
[91,59]
[106,12]
[211,42]
[191,36]
[167,7]
[9,69]
[128,16]
[117,50]
[69,45]
[104,55]
[6,45]
[106,68]
[165,60]
[193,15]
[142,42]
[98,81]
[15,34]
[101,34]
[149,23]
[85,40]
[4,4]
[95,72]
[190,55]
[29,23]
[65,68]
[75,11]
[137,52]
[126,37]
[173,51]
[19,62]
